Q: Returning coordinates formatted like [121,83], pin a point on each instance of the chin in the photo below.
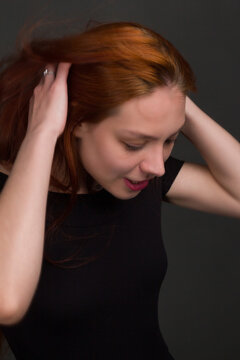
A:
[120,191]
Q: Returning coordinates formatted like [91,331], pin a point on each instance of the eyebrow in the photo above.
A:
[148,137]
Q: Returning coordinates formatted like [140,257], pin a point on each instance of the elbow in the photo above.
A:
[10,314]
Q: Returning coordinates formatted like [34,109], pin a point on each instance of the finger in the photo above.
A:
[49,74]
[62,71]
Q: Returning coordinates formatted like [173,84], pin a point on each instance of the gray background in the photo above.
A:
[199,302]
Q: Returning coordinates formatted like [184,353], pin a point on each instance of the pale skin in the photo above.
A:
[106,150]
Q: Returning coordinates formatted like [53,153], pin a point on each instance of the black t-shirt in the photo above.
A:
[108,308]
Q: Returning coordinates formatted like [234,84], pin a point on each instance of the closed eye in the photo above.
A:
[133,147]
[139,147]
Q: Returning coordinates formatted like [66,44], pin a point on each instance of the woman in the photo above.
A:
[88,123]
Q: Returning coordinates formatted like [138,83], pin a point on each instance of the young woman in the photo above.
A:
[88,123]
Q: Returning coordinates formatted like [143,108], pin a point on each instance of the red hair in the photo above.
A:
[111,63]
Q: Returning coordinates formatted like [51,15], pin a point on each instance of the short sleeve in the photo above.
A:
[172,168]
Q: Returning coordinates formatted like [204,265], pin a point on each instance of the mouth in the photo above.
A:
[136,185]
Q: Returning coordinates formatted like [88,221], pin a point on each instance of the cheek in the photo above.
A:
[114,162]
[112,154]
[102,156]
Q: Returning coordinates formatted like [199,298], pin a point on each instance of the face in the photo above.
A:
[133,144]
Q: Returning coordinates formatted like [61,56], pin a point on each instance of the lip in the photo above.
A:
[136,187]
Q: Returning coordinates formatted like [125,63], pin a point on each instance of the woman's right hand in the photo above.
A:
[48,105]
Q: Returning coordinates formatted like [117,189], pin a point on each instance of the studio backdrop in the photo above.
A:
[199,310]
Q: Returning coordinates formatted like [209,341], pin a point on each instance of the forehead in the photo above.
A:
[161,111]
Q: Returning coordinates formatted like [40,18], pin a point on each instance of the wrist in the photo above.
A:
[42,135]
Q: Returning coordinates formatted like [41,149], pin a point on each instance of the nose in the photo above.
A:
[153,164]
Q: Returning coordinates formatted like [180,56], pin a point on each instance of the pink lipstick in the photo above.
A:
[136,186]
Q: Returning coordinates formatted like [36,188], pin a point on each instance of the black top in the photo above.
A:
[108,308]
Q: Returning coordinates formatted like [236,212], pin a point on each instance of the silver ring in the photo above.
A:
[48,72]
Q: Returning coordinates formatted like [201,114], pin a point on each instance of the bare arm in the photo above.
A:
[213,187]
[24,197]
[22,218]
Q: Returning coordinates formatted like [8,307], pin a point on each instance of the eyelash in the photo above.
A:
[135,148]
